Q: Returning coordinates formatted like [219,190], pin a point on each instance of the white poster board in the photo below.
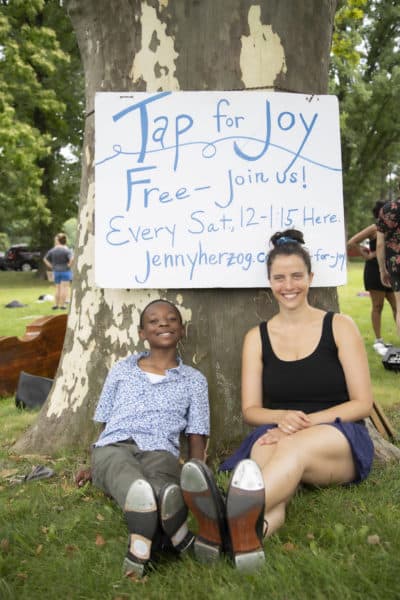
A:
[190,186]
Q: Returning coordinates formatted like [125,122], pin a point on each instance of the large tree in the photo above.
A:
[42,102]
[169,45]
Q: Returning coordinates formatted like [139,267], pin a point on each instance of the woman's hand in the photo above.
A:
[271,437]
[385,277]
[293,420]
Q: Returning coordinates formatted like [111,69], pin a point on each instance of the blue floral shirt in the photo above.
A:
[152,414]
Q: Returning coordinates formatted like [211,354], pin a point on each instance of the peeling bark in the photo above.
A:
[262,56]
[153,45]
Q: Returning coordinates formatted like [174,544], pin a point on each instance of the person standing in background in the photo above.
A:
[372,280]
[388,249]
[59,260]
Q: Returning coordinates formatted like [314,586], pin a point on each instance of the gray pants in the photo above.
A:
[116,466]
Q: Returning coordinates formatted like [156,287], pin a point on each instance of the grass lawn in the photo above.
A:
[60,542]
[26,288]
[386,384]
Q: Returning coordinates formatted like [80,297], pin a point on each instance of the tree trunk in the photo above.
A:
[384,450]
[153,45]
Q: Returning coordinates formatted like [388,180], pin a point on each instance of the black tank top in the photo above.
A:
[372,248]
[310,384]
[372,244]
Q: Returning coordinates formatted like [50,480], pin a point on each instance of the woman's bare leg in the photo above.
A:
[377,300]
[319,455]
[397,298]
[392,301]
[58,294]
[64,285]
[275,518]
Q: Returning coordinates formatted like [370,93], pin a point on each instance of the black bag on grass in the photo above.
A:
[32,390]
[391,360]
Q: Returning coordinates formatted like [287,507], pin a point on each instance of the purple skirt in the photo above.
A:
[356,434]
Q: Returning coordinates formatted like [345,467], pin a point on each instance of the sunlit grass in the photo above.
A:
[26,288]
[353,301]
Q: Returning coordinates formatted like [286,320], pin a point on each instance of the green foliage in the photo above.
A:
[365,75]
[346,36]
[4,242]
[41,108]
[354,302]
[71,229]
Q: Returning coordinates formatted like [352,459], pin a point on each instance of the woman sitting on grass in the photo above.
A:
[306,386]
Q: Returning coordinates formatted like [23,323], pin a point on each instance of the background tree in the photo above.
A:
[4,242]
[153,45]
[365,75]
[41,102]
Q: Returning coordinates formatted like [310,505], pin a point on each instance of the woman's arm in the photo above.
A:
[353,358]
[252,405]
[364,234]
[381,257]
[70,258]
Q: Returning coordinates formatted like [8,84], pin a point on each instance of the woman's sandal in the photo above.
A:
[205,501]
[142,520]
[245,515]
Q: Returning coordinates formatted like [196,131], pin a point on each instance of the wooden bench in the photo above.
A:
[37,352]
[382,423]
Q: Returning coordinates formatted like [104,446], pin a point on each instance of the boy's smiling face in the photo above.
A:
[162,325]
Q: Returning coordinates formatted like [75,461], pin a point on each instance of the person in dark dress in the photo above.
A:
[306,388]
[388,249]
[372,279]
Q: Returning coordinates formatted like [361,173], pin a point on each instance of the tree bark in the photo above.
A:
[384,450]
[153,45]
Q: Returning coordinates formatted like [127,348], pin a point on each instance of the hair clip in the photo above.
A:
[285,240]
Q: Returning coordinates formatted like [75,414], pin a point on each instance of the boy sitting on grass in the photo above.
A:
[148,399]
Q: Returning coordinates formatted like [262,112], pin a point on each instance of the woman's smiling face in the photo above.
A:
[290,280]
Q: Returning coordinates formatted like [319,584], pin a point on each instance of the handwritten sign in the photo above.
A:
[190,186]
